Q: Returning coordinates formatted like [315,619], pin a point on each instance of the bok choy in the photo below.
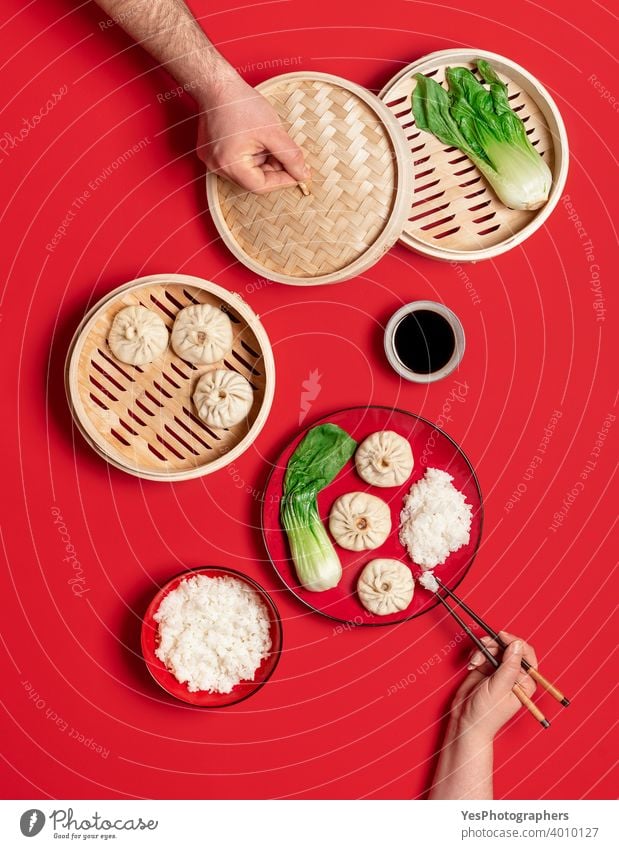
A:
[316,461]
[481,123]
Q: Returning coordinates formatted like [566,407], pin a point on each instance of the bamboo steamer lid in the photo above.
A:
[360,187]
[454,214]
[141,419]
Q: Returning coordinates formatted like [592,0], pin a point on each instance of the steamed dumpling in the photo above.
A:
[137,336]
[385,586]
[223,398]
[359,521]
[384,459]
[202,334]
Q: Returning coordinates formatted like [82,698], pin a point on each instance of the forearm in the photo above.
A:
[464,769]
[170,33]
[240,135]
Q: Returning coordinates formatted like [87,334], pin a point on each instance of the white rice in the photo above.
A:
[213,633]
[435,521]
[428,581]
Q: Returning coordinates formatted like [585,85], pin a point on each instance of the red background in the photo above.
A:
[325,726]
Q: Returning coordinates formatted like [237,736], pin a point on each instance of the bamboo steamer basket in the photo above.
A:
[141,419]
[454,214]
[359,191]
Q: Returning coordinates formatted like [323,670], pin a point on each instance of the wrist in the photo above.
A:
[464,768]
[218,82]
[466,732]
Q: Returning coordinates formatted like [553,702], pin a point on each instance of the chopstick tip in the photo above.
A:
[565,702]
[544,723]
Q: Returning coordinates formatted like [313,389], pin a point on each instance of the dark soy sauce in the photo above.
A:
[424,341]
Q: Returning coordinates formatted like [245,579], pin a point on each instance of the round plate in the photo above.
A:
[359,192]
[203,698]
[141,419]
[454,215]
[431,447]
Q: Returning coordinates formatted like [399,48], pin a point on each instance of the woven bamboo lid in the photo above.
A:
[141,419]
[360,188]
[454,215]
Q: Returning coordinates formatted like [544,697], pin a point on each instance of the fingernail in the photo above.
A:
[476,658]
[517,644]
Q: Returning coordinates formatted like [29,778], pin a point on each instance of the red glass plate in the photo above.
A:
[431,447]
[203,698]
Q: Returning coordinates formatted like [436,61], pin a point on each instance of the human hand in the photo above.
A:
[241,137]
[484,701]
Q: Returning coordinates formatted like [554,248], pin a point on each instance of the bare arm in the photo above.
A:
[482,705]
[170,33]
[464,769]
[239,133]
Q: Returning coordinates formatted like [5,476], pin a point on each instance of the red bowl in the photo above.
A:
[204,698]
[431,447]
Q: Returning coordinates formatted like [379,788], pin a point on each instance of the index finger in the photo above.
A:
[256,178]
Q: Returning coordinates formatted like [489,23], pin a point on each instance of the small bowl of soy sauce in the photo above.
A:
[424,341]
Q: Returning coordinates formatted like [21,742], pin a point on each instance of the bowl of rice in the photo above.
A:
[211,637]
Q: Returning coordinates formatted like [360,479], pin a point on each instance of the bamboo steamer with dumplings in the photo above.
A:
[359,193]
[142,418]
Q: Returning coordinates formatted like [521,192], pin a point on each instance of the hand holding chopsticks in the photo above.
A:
[526,666]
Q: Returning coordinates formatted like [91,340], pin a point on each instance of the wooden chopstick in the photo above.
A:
[535,674]
[516,689]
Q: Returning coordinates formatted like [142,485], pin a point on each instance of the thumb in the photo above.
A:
[502,681]
[286,151]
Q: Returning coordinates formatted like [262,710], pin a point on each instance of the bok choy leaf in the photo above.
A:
[481,123]
[315,462]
